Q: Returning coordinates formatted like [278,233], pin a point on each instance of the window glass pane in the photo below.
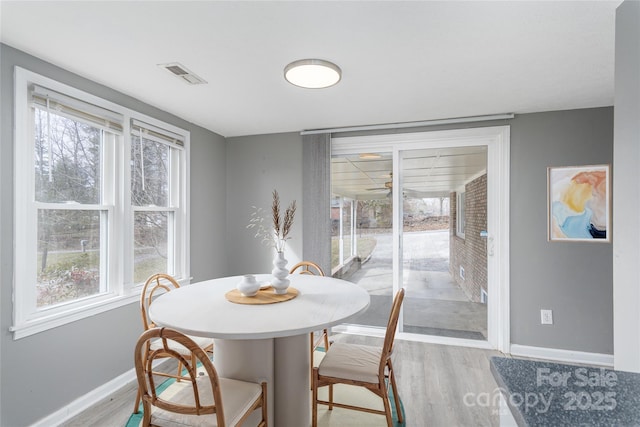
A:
[151,235]
[149,172]
[69,255]
[67,159]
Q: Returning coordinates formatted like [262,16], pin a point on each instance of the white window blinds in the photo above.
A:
[157,134]
[75,109]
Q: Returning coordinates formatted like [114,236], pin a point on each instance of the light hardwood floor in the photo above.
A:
[439,386]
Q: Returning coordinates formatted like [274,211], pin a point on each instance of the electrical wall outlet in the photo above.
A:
[546,317]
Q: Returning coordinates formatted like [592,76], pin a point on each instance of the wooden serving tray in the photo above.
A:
[264,296]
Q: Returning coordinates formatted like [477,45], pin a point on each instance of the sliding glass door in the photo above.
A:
[400,218]
[441,299]
[362,228]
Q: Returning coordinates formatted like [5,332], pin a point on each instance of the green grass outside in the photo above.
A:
[53,258]
[366,245]
[147,267]
[144,268]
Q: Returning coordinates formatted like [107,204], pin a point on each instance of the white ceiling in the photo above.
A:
[401,61]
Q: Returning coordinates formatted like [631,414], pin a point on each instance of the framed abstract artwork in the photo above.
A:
[578,199]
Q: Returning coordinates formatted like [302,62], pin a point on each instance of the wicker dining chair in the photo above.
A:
[156,285]
[360,365]
[204,399]
[318,337]
[307,267]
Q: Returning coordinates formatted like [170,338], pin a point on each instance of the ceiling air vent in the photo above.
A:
[183,73]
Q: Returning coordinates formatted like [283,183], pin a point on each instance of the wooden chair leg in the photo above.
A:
[394,388]
[179,372]
[146,416]
[136,407]
[194,361]
[326,340]
[265,418]
[311,359]
[330,397]
[387,409]
[314,396]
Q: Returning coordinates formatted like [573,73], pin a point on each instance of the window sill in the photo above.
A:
[45,323]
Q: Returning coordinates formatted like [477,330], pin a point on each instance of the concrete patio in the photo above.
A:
[434,303]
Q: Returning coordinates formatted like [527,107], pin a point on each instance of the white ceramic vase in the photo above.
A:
[280,283]
[248,286]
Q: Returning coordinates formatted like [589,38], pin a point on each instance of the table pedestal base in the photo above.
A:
[292,388]
[283,363]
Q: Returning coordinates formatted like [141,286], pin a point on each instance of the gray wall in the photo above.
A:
[573,279]
[208,208]
[46,371]
[626,243]
[256,166]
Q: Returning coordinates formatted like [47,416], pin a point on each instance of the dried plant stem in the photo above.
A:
[275,212]
[288,219]
[281,225]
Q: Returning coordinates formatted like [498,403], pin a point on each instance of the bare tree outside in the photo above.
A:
[150,190]
[67,162]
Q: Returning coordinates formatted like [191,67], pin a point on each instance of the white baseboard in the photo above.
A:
[559,355]
[81,404]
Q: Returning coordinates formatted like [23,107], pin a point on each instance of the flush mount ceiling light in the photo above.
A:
[312,73]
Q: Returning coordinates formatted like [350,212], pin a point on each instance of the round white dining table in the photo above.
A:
[267,341]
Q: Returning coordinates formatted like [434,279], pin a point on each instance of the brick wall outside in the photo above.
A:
[470,252]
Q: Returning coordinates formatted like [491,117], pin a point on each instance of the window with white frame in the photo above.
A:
[100,201]
[460,214]
[156,156]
